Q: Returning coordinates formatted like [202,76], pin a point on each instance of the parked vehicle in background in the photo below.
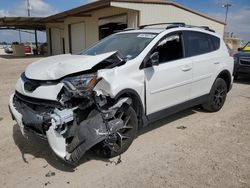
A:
[8,50]
[27,49]
[100,97]
[242,62]
[246,47]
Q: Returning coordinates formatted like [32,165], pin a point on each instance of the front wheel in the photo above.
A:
[123,138]
[217,96]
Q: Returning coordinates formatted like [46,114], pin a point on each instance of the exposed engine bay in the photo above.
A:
[80,118]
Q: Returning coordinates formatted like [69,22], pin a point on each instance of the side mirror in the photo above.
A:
[154,59]
[239,49]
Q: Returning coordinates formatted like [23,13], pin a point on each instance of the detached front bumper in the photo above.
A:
[67,138]
[56,140]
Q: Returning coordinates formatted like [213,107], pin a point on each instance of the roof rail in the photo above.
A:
[201,27]
[177,24]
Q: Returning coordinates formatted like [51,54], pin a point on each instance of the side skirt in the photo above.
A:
[172,110]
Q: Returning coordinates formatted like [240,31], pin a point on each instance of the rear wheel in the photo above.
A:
[217,96]
[123,138]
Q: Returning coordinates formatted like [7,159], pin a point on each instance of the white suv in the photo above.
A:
[100,97]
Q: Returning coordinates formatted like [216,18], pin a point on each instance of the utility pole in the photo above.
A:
[227,7]
[28,10]
[28,7]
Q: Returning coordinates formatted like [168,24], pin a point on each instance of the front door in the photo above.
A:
[168,84]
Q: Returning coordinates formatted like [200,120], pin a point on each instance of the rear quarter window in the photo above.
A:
[198,43]
[216,42]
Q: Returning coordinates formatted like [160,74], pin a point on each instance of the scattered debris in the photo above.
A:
[242,181]
[119,160]
[181,127]
[45,166]
[47,183]
[49,174]
[27,178]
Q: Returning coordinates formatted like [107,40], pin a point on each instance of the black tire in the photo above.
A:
[105,151]
[217,96]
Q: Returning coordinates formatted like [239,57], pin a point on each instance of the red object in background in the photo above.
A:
[27,49]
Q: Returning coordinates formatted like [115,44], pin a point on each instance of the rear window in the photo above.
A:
[198,43]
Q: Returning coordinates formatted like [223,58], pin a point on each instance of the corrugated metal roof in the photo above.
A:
[22,23]
[85,9]
[38,23]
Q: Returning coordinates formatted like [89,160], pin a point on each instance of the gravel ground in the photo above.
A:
[189,149]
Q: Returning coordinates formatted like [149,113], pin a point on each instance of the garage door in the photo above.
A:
[112,24]
[77,37]
[56,41]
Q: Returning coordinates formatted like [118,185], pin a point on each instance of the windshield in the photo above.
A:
[128,45]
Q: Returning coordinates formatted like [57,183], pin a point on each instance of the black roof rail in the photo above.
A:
[207,28]
[177,24]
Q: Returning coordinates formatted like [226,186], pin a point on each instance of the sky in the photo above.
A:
[238,16]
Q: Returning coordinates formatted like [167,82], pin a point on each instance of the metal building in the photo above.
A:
[74,30]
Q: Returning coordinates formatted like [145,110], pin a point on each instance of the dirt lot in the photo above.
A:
[212,151]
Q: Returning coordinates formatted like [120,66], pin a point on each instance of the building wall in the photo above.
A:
[157,13]
[91,24]
[138,14]
[49,26]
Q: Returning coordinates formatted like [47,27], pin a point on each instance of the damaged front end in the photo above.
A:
[78,120]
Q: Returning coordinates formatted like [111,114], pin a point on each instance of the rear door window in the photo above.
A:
[197,43]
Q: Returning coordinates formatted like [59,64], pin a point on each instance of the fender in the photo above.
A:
[136,104]
[111,87]
[225,74]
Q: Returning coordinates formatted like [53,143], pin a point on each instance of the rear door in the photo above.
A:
[168,84]
[200,50]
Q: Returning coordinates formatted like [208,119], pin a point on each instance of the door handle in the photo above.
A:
[186,68]
[216,62]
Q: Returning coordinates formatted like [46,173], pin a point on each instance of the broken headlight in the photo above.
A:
[80,83]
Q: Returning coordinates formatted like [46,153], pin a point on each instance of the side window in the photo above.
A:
[170,48]
[197,43]
[216,42]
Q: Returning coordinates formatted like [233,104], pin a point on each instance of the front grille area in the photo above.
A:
[40,102]
[245,61]
[31,85]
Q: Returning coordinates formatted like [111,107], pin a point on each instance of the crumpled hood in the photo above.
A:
[56,67]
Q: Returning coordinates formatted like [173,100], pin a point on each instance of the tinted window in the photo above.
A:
[170,48]
[216,42]
[197,43]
